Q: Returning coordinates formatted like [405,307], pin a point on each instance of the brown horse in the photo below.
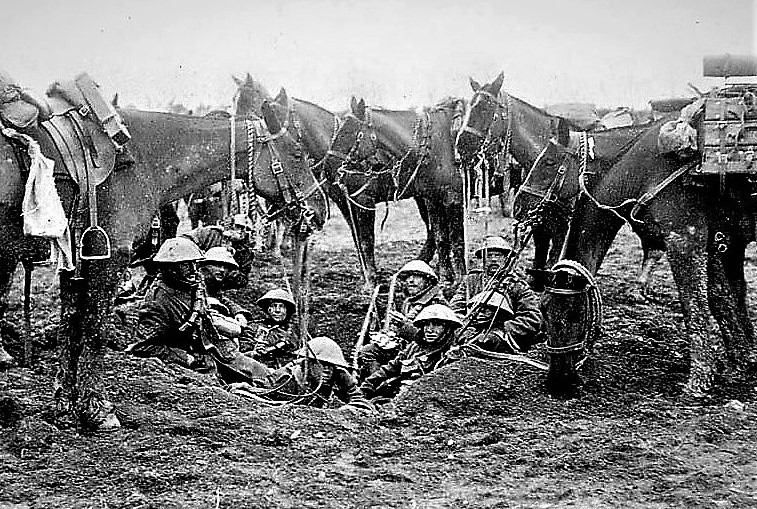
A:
[174,155]
[500,119]
[383,155]
[646,188]
[316,127]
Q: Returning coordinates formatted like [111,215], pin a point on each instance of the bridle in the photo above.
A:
[295,204]
[353,164]
[494,145]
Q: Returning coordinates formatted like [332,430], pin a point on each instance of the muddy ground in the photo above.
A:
[475,434]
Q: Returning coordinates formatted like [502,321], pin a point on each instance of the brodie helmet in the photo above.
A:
[437,312]
[219,256]
[493,243]
[493,300]
[324,349]
[176,250]
[280,295]
[418,267]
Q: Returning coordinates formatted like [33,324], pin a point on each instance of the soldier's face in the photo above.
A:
[494,260]
[277,311]
[415,284]
[433,331]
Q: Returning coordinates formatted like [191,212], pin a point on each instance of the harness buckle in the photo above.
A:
[277,168]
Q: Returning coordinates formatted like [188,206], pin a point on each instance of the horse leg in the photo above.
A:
[688,263]
[457,242]
[429,247]
[8,262]
[539,264]
[742,349]
[438,221]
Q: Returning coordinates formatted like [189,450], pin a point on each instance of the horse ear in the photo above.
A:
[238,81]
[271,120]
[474,85]
[282,98]
[114,102]
[561,130]
[353,103]
[359,109]
[497,84]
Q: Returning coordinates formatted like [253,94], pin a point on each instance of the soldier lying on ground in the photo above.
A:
[325,376]
[175,322]
[420,286]
[438,324]
[272,342]
[506,315]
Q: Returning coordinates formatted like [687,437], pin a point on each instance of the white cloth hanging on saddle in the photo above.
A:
[42,210]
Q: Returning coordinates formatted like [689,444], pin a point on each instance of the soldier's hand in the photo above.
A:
[241,319]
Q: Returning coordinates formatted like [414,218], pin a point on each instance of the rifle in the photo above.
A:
[496,279]
[364,329]
[390,303]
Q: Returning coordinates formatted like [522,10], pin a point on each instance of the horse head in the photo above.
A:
[290,177]
[572,309]
[553,181]
[486,121]
[250,96]
[355,144]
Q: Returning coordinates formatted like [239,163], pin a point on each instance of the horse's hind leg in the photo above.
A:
[742,350]
[688,263]
[455,226]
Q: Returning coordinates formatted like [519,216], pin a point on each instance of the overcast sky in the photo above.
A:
[394,53]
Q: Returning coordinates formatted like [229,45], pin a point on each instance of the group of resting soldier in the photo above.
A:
[185,319]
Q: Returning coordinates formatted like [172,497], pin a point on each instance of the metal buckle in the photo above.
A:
[277,168]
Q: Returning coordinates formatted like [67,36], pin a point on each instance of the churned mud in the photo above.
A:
[473,434]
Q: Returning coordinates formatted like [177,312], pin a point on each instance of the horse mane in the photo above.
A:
[448,103]
[312,104]
[218,114]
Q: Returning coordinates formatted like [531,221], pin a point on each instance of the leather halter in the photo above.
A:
[294,198]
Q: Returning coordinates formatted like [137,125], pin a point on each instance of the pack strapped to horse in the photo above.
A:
[728,133]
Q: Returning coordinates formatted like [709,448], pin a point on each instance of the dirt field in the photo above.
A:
[475,434]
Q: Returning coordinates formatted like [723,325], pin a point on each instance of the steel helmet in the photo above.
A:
[219,256]
[437,312]
[324,349]
[242,220]
[277,294]
[178,249]
[492,300]
[418,267]
[493,243]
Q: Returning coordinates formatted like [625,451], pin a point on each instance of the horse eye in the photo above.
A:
[549,162]
[374,137]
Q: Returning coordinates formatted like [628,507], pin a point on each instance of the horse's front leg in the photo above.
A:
[688,263]
[440,229]
[456,234]
[429,247]
[8,263]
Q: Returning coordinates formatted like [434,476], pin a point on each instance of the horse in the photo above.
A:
[173,155]
[646,188]
[383,155]
[495,118]
[316,127]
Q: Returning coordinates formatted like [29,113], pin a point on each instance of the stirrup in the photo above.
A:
[94,244]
